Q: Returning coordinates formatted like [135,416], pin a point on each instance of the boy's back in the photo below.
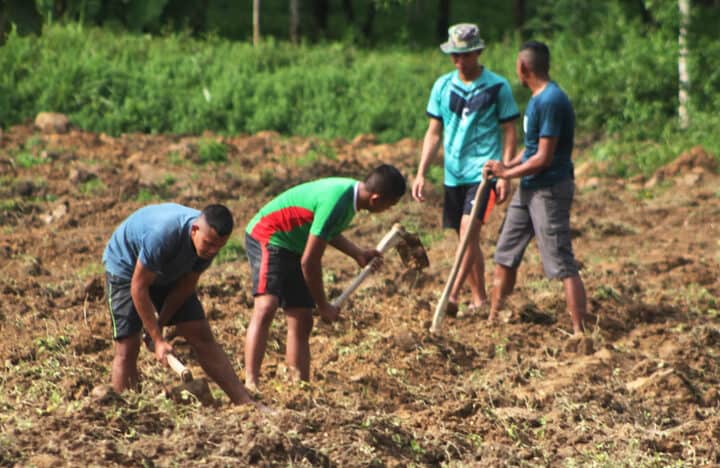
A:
[324,208]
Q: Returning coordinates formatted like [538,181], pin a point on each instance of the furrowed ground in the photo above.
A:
[640,389]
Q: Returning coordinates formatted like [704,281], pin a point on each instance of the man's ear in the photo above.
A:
[373,199]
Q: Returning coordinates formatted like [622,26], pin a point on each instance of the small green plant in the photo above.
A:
[168,180]
[175,158]
[436,174]
[233,250]
[211,151]
[145,196]
[91,269]
[93,186]
[26,159]
[51,343]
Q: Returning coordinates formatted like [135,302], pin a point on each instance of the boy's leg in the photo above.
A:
[299,327]
[257,334]
[472,266]
[126,327]
[503,285]
[550,212]
[124,366]
[213,359]
[576,302]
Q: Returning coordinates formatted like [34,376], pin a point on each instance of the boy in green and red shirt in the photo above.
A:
[285,242]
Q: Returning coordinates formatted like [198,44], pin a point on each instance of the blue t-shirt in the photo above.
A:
[549,114]
[471,115]
[159,236]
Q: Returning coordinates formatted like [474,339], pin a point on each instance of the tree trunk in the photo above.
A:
[367,27]
[348,10]
[294,21]
[2,22]
[320,10]
[256,22]
[443,20]
[684,79]
[519,13]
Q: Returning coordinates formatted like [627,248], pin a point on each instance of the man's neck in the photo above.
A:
[538,84]
[472,76]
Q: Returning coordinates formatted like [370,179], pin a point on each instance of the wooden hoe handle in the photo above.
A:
[442,303]
[391,239]
[179,368]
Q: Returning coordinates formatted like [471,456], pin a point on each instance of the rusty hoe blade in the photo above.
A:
[412,252]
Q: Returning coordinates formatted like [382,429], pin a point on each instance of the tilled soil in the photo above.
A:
[641,388]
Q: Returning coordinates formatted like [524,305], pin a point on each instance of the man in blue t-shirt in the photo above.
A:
[541,206]
[472,112]
[152,265]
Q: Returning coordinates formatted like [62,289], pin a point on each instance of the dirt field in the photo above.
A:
[640,390]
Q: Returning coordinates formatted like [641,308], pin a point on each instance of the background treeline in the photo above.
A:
[130,65]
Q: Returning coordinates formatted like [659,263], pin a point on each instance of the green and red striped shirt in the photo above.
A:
[324,208]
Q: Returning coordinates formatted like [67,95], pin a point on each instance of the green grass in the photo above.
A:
[27,159]
[211,151]
[93,187]
[120,82]
[234,250]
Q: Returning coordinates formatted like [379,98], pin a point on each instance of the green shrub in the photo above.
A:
[211,151]
[233,250]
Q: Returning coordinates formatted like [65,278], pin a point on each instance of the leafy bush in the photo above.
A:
[211,151]
[621,76]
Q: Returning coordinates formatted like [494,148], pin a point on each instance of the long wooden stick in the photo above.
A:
[389,240]
[174,363]
[180,369]
[442,303]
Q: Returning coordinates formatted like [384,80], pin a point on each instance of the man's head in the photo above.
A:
[211,230]
[533,59]
[385,186]
[464,45]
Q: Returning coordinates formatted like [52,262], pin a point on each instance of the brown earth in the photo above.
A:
[640,389]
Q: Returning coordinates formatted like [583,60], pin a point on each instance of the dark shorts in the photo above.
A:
[545,214]
[459,201]
[125,319]
[278,272]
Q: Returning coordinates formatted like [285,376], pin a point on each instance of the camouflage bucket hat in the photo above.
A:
[463,37]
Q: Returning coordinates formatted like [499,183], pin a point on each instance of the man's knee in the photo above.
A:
[300,322]
[196,332]
[127,349]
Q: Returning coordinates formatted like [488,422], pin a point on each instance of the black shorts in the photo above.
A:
[277,271]
[125,319]
[459,201]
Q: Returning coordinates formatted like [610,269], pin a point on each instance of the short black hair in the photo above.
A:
[538,58]
[219,218]
[386,181]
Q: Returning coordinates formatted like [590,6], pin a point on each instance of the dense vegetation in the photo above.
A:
[619,66]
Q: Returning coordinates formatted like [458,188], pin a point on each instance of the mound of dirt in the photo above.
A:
[688,169]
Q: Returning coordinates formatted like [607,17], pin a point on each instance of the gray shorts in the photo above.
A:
[125,319]
[545,214]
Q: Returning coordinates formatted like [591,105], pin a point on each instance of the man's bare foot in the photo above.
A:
[473,309]
[251,387]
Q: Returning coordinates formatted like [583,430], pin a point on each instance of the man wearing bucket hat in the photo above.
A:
[472,112]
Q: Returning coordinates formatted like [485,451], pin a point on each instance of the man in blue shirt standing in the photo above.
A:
[472,112]
[541,206]
[153,262]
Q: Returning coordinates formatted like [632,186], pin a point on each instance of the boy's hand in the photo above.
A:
[367,256]
[503,188]
[162,347]
[328,312]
